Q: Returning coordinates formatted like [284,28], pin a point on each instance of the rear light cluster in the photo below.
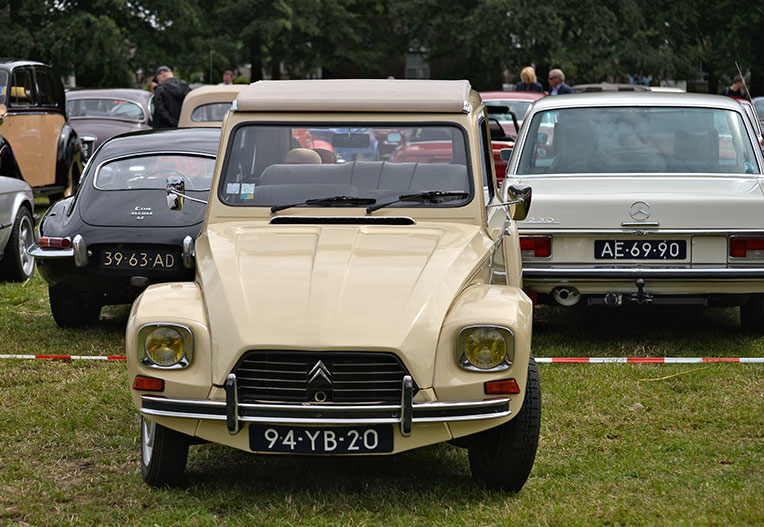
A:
[746,247]
[536,246]
[54,243]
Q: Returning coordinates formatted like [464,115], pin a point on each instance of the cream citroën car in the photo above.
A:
[348,307]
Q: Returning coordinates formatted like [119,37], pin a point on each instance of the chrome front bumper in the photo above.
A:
[673,273]
[407,413]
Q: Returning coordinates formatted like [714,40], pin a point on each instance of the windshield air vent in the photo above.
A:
[342,220]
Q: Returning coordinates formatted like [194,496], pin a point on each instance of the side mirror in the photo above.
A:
[506,154]
[522,195]
[394,137]
[176,188]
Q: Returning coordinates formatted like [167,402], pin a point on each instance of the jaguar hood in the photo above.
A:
[672,201]
[329,287]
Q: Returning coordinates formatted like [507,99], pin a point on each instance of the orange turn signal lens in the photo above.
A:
[149,384]
[501,387]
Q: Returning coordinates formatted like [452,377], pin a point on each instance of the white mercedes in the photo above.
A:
[642,197]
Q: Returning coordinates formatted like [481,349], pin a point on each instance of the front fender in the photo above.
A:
[483,304]
[9,167]
[179,303]
[68,158]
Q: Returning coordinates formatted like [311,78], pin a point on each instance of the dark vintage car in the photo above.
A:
[34,123]
[99,114]
[117,235]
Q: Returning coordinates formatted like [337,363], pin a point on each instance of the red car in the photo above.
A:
[518,102]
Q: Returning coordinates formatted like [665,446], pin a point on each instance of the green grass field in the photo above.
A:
[620,444]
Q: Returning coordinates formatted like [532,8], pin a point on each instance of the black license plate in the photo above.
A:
[139,259]
[640,249]
[373,439]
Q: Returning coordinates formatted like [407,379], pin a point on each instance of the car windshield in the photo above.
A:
[152,171]
[273,165]
[105,109]
[759,105]
[213,112]
[609,140]
[520,108]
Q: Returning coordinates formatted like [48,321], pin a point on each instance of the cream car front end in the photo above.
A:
[345,306]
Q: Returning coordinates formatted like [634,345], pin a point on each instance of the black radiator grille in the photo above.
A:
[294,376]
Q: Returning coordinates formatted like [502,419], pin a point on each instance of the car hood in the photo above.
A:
[138,208]
[675,202]
[320,287]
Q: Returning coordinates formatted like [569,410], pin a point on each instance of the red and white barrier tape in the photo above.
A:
[539,360]
[647,360]
[64,357]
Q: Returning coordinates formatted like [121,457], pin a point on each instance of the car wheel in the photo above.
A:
[502,457]
[17,265]
[73,309]
[752,314]
[164,453]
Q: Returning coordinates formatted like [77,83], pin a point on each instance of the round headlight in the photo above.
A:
[164,346]
[486,348]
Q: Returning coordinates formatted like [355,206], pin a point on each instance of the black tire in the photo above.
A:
[752,314]
[164,453]
[17,265]
[73,309]
[502,457]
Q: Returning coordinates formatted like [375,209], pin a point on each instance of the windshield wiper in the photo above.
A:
[343,200]
[430,196]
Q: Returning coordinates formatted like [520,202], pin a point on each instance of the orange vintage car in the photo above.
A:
[33,121]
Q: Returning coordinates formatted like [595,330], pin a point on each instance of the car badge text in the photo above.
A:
[141,212]
[639,211]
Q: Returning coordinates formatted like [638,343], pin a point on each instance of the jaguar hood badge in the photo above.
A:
[639,211]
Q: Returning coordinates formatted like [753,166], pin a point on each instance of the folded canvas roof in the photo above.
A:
[356,95]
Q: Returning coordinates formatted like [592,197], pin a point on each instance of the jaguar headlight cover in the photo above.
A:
[165,345]
[486,348]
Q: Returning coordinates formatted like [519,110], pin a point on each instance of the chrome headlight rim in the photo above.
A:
[506,361]
[188,345]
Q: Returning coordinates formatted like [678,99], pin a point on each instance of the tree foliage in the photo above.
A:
[119,42]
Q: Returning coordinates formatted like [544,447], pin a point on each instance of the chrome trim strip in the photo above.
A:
[38,252]
[652,272]
[434,412]
[595,232]
[640,224]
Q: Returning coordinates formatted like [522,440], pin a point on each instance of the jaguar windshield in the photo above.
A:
[609,140]
[309,165]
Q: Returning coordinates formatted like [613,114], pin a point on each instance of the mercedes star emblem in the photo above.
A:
[639,210]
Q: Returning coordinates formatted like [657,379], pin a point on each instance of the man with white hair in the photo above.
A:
[557,84]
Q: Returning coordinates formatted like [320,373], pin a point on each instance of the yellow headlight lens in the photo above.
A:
[164,346]
[486,347]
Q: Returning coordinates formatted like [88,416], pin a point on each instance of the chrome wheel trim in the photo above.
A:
[26,240]
[148,432]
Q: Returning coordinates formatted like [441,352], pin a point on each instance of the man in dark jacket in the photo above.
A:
[557,84]
[168,98]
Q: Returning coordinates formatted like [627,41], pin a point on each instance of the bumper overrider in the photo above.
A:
[406,414]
